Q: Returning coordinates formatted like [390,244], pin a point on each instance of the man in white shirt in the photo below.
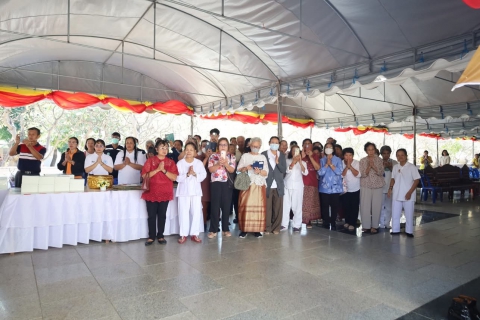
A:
[388,164]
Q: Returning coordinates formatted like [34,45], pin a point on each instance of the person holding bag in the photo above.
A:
[252,202]
[191,172]
[159,172]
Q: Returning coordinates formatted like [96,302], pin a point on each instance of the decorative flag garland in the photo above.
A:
[12,97]
[362,129]
[255,118]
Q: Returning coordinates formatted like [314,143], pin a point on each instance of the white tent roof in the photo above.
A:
[215,55]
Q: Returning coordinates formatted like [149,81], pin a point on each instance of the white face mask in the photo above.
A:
[255,150]
[328,150]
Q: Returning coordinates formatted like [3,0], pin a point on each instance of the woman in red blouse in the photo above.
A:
[162,172]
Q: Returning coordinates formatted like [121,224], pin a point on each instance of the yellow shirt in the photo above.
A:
[475,163]
[421,160]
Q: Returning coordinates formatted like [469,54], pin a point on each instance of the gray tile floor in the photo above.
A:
[317,274]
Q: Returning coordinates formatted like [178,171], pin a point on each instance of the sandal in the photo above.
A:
[227,234]
[346,225]
[309,226]
[182,240]
[373,231]
[351,228]
[212,235]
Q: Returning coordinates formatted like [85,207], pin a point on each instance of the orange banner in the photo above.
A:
[361,130]
[254,118]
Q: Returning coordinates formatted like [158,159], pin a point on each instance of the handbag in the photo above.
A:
[242,181]
[146,182]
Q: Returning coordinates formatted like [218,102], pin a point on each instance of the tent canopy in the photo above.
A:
[217,55]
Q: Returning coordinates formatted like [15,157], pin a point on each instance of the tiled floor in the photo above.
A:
[317,274]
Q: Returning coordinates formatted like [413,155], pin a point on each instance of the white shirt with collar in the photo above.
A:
[404,177]
[352,182]
[294,177]
[129,175]
[273,163]
[98,170]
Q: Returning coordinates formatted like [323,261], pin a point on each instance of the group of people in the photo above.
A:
[312,182]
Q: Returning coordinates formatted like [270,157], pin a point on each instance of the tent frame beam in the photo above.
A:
[370,99]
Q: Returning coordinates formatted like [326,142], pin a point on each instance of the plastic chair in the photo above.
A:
[426,187]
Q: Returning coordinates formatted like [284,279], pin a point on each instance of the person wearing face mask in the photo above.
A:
[112,150]
[220,165]
[277,166]
[311,201]
[371,189]
[252,203]
[203,156]
[330,186]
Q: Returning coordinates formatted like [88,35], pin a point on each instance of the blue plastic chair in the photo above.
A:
[426,187]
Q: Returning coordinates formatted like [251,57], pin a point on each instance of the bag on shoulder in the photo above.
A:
[242,181]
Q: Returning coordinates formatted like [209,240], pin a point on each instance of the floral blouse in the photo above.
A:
[373,180]
[221,175]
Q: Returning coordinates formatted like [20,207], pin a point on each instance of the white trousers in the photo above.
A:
[408,207]
[293,199]
[190,215]
[386,213]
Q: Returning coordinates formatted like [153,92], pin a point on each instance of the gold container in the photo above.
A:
[94,181]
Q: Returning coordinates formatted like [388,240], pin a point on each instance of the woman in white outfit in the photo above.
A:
[129,163]
[191,172]
[444,159]
[388,164]
[293,198]
[405,178]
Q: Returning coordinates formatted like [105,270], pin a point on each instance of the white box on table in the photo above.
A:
[46,184]
[77,185]
[3,183]
[62,184]
[29,188]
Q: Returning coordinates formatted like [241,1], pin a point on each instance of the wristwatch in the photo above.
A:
[164,171]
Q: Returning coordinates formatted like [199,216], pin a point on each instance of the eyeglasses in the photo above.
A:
[223,145]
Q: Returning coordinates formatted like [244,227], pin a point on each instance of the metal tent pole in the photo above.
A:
[191,124]
[279,111]
[414,136]
[438,158]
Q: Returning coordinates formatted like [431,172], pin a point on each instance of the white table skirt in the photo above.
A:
[39,221]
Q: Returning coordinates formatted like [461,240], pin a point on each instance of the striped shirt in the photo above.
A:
[26,160]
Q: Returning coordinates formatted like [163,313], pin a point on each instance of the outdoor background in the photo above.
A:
[57,125]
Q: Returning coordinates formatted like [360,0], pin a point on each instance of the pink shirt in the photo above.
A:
[221,174]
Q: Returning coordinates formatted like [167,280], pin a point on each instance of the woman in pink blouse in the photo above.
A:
[371,189]
[220,164]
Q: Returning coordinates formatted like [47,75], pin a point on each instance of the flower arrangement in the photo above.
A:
[103,184]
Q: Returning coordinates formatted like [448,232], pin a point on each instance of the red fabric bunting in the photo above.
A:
[361,130]
[9,99]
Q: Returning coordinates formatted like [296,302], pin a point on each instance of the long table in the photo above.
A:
[39,221]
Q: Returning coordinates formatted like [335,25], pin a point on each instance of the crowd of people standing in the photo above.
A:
[285,183]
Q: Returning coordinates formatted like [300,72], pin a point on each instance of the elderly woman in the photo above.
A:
[149,144]
[161,171]
[405,178]
[351,198]
[330,186]
[252,203]
[220,165]
[371,188]
[388,163]
[72,160]
[311,200]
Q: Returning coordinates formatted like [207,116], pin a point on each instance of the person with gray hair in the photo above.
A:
[388,163]
[252,203]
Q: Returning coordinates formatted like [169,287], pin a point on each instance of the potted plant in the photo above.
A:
[103,185]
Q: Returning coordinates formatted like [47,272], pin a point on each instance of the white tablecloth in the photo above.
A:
[39,221]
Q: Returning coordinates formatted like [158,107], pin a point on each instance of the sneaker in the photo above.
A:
[196,239]
[182,240]
[296,229]
[282,228]
[243,235]
[258,235]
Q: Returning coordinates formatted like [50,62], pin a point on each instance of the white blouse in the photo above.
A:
[352,182]
[444,160]
[129,175]
[247,160]
[293,178]
[190,186]
[98,170]
[404,177]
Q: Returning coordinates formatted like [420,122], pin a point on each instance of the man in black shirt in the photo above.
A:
[112,150]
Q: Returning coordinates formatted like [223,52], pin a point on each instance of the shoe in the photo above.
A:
[282,228]
[388,227]
[394,233]
[243,235]
[182,240]
[309,226]
[410,235]
[258,235]
[162,241]
[276,232]
[351,228]
[196,239]
[382,227]
[235,220]
[212,235]
[227,234]
[346,225]
[266,233]
[296,229]
[149,243]
[333,227]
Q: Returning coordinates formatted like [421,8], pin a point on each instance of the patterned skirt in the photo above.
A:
[252,209]
[311,204]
